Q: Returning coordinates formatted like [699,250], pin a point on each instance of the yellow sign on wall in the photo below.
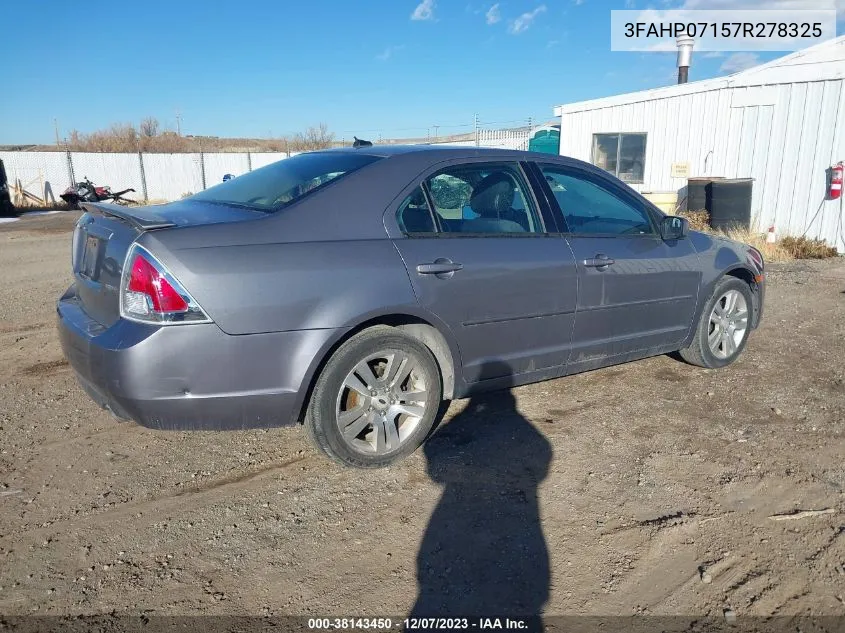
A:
[680,170]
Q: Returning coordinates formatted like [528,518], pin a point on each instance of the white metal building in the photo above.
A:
[781,123]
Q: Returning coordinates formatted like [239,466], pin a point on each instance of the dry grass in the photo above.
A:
[149,136]
[698,220]
[59,205]
[785,249]
[805,248]
[771,252]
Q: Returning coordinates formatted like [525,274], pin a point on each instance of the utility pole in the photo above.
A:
[56,127]
[436,127]
[475,119]
[178,123]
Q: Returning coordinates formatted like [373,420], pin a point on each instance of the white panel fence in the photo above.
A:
[152,176]
[504,139]
[167,176]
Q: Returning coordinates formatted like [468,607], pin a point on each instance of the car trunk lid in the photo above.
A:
[105,232]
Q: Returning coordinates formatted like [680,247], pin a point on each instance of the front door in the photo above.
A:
[479,257]
[637,292]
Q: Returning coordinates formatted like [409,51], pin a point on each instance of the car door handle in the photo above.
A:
[600,261]
[441,267]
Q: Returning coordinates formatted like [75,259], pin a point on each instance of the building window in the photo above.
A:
[623,155]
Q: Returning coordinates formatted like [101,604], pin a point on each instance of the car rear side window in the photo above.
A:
[275,186]
[414,214]
[591,208]
[483,199]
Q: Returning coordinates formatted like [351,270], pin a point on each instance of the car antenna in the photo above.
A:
[359,142]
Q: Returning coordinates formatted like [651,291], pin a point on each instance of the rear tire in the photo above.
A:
[724,326]
[376,399]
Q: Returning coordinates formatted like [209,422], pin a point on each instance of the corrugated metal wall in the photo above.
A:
[783,136]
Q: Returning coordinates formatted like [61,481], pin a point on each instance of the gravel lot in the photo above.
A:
[642,488]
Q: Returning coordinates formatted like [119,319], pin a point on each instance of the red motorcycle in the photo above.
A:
[87,191]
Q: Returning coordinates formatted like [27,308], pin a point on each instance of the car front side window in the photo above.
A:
[591,208]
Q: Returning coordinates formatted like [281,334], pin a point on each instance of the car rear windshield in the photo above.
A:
[276,186]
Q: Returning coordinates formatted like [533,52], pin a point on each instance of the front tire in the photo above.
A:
[724,326]
[375,400]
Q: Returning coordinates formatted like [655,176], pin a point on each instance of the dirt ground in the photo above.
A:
[642,488]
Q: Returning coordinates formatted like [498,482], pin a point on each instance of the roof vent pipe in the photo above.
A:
[685,45]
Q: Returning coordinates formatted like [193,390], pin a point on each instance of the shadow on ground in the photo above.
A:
[483,553]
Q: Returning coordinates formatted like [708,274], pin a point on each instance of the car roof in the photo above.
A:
[443,152]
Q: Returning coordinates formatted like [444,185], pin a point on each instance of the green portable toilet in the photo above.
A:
[546,140]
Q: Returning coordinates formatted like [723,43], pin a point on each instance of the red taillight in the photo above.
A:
[148,281]
[149,293]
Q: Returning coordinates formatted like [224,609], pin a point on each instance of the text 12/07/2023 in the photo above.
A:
[412,623]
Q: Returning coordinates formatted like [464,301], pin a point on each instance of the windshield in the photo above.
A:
[276,186]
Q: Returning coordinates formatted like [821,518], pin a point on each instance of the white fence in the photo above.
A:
[504,139]
[152,176]
[168,176]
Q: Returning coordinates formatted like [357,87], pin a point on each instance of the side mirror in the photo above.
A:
[673,227]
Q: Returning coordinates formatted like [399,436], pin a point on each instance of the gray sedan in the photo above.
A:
[354,290]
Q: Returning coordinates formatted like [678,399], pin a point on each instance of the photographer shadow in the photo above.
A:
[483,553]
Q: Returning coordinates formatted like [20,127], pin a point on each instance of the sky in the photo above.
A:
[374,68]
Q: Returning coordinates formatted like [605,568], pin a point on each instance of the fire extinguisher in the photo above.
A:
[835,190]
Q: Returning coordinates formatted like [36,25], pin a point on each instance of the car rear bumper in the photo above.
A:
[188,376]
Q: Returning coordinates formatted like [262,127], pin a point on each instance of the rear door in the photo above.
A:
[481,258]
[636,291]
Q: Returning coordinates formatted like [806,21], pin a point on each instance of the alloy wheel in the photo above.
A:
[728,324]
[381,402]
